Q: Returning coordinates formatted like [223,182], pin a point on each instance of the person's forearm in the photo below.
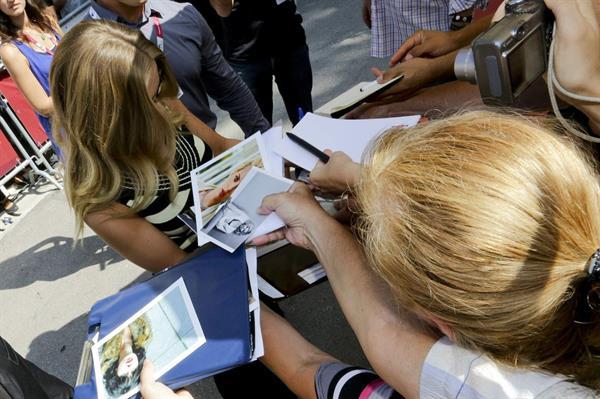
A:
[443,66]
[289,355]
[222,7]
[46,108]
[384,331]
[214,140]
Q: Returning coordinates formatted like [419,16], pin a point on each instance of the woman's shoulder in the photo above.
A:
[10,53]
[8,48]
[451,369]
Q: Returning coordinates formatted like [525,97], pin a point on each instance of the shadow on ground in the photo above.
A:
[53,259]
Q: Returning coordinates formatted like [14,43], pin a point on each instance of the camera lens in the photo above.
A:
[464,66]
[522,6]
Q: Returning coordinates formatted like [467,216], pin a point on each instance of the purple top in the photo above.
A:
[39,63]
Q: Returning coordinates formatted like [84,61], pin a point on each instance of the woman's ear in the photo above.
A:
[442,327]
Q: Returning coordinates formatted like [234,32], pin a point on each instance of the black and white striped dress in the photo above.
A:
[161,212]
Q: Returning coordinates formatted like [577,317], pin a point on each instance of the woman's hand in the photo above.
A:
[336,176]
[577,53]
[152,389]
[300,213]
[577,45]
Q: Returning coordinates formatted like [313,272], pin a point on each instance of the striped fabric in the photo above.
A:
[162,213]
[453,372]
[340,381]
[393,21]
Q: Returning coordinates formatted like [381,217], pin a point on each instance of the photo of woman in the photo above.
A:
[215,181]
[165,331]
[123,355]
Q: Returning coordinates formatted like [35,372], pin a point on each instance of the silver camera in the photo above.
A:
[506,59]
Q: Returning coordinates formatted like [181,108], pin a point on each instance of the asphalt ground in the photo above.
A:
[49,282]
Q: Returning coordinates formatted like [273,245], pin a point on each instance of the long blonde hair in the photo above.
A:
[486,222]
[105,122]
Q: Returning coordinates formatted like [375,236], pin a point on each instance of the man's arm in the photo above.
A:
[222,7]
[214,140]
[224,85]
[418,73]
[427,43]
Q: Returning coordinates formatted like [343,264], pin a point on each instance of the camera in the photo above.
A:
[506,59]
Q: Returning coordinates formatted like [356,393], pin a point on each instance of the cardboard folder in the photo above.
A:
[217,282]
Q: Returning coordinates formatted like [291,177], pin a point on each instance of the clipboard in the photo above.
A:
[282,268]
[287,269]
[217,282]
[355,96]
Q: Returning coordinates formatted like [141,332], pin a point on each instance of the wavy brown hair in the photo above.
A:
[38,16]
[486,222]
[109,127]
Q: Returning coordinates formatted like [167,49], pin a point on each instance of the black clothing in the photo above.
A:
[256,29]
[21,379]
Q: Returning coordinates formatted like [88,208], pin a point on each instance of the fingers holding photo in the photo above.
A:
[152,389]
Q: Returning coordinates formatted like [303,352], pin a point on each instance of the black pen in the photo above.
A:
[309,147]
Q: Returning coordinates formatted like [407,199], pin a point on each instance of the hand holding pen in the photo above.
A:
[337,176]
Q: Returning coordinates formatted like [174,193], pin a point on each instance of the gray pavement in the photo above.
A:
[48,284]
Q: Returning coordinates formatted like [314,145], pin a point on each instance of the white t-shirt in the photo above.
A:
[453,372]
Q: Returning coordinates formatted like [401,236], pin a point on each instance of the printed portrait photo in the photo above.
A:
[236,219]
[165,331]
[214,182]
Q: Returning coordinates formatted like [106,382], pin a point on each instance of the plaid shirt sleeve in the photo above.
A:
[393,21]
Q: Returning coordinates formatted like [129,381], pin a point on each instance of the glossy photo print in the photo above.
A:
[165,331]
[237,219]
[214,182]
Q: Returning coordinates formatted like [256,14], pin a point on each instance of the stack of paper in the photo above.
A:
[351,136]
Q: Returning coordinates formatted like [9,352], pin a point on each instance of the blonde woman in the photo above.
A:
[126,141]
[482,236]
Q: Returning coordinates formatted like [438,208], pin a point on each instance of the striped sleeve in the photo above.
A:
[341,381]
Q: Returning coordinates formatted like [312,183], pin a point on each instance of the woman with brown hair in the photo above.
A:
[129,144]
[128,148]
[29,36]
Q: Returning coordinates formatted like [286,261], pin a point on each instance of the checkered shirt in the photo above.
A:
[393,21]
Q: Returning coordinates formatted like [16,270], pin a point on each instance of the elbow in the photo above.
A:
[47,112]
[46,109]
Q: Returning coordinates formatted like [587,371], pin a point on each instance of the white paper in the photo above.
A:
[273,161]
[268,289]
[313,273]
[271,223]
[351,136]
[251,261]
